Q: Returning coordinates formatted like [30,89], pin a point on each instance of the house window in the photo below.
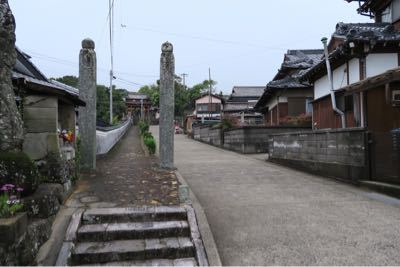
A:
[348,103]
[202,107]
[395,10]
[386,15]
[309,105]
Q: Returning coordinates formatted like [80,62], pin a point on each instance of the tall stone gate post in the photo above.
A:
[167,106]
[87,114]
[11,127]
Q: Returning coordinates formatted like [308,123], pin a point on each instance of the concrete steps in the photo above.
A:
[133,236]
[127,250]
[120,231]
[156,262]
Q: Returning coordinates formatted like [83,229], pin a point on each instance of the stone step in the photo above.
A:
[156,262]
[133,214]
[138,230]
[131,250]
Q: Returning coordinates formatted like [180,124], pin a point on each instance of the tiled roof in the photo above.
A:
[367,31]
[247,91]
[137,96]
[288,82]
[302,59]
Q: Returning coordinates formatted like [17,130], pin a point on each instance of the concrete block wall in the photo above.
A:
[208,135]
[105,141]
[251,140]
[337,153]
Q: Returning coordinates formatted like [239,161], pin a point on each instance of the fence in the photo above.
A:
[107,137]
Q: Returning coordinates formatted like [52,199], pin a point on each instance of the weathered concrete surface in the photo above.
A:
[11,131]
[265,214]
[167,102]
[87,114]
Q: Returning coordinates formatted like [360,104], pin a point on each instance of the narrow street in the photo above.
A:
[125,177]
[265,214]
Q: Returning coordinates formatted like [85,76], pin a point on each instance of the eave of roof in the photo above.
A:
[49,88]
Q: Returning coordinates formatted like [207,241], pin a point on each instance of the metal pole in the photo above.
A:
[111,24]
[209,95]
[333,97]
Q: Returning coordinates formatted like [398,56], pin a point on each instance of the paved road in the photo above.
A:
[265,214]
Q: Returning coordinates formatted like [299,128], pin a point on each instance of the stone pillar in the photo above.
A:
[11,127]
[87,114]
[167,103]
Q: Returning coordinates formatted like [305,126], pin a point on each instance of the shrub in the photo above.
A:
[151,144]
[18,169]
[143,127]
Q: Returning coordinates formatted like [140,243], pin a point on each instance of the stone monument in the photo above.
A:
[11,126]
[167,106]
[87,114]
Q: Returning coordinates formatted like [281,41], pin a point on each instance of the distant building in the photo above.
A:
[208,107]
[138,106]
[241,102]
[286,97]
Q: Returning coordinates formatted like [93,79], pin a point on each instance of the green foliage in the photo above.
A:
[17,168]
[55,170]
[184,96]
[148,138]
[143,127]
[68,80]
[103,99]
[150,142]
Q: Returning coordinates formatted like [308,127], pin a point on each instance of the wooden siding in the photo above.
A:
[325,117]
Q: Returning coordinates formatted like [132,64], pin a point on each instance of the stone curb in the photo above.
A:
[204,227]
[144,147]
[48,253]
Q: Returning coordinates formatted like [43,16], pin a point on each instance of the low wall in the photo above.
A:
[251,140]
[336,153]
[206,134]
[105,140]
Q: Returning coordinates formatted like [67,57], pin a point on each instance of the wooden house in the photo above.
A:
[208,107]
[241,102]
[286,97]
[48,110]
[365,58]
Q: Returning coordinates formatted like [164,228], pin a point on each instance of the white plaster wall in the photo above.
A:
[107,140]
[354,70]
[379,63]
[322,87]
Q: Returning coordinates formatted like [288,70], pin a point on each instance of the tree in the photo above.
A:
[102,99]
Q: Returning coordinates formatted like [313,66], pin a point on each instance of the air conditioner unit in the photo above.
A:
[396,98]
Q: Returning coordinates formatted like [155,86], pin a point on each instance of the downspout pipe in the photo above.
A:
[333,97]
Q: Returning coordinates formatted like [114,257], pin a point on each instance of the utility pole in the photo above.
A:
[184,79]
[209,95]
[111,26]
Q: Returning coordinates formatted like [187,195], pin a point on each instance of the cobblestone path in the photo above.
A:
[126,177]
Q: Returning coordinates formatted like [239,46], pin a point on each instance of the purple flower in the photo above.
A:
[20,189]
[9,186]
[4,188]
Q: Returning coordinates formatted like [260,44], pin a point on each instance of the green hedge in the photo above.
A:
[148,138]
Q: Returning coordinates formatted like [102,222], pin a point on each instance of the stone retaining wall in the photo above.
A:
[251,140]
[105,140]
[246,140]
[337,153]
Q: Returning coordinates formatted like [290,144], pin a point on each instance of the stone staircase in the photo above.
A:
[162,236]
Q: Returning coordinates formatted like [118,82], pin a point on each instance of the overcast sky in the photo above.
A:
[242,41]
